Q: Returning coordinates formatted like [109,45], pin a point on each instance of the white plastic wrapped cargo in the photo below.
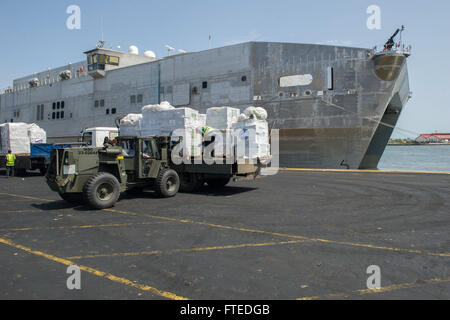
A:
[221,117]
[163,119]
[36,134]
[255,113]
[130,125]
[14,137]
[252,139]
[260,128]
[201,120]
[223,143]
[190,146]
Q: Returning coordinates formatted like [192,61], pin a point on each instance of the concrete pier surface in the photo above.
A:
[301,234]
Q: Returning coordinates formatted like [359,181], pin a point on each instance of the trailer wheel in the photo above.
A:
[218,182]
[167,183]
[189,182]
[73,198]
[101,190]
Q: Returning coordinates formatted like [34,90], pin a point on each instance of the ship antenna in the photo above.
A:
[401,32]
[101,26]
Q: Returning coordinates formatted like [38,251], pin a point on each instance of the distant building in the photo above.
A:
[434,138]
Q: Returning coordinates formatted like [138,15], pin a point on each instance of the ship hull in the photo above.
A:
[339,114]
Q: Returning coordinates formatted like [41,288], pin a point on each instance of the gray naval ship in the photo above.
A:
[336,107]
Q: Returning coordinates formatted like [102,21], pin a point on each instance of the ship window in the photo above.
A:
[40,112]
[244,78]
[102,103]
[53,115]
[204,84]
[107,111]
[133,99]
[113,60]
[139,98]
[62,104]
[98,61]
[62,114]
[57,115]
[101,58]
[54,105]
[96,103]
[296,80]
[58,104]
[113,111]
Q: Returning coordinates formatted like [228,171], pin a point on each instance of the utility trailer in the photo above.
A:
[97,176]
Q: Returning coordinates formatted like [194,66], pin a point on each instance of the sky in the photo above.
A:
[35,36]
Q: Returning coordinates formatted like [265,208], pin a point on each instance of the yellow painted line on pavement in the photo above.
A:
[285,235]
[237,246]
[381,290]
[25,197]
[320,240]
[21,211]
[363,171]
[95,272]
[84,226]
[36,210]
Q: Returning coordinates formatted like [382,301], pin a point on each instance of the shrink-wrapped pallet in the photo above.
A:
[163,119]
[190,145]
[36,134]
[252,139]
[14,137]
[202,119]
[130,125]
[222,143]
[221,117]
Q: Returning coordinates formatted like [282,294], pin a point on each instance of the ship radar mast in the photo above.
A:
[101,44]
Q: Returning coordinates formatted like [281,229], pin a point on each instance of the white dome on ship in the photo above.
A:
[133,50]
[150,53]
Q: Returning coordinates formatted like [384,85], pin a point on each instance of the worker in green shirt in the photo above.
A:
[10,162]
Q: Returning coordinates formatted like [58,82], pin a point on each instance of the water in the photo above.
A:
[422,157]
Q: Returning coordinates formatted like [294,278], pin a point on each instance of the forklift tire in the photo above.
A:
[101,191]
[167,183]
[72,198]
[218,182]
[189,182]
